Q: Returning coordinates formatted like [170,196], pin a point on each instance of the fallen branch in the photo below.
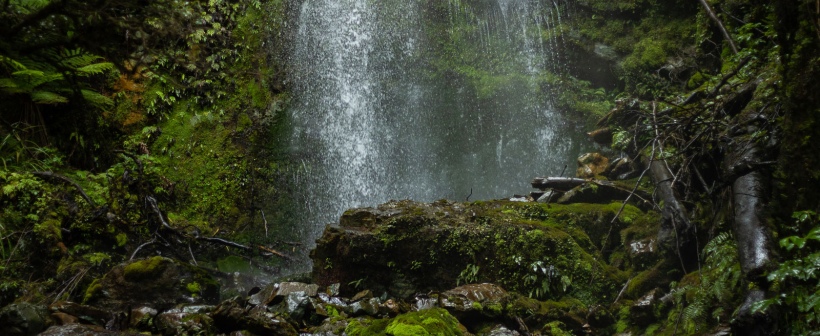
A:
[270,250]
[560,183]
[719,23]
[67,180]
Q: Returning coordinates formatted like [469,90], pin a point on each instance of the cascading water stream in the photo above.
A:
[423,100]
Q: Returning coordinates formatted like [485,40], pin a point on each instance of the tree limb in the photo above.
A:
[722,28]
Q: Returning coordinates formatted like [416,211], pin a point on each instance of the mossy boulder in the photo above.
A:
[156,282]
[434,321]
[546,251]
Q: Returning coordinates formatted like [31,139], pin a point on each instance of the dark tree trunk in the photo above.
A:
[676,232]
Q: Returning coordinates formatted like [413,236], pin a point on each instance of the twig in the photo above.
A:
[67,180]
[134,254]
[192,254]
[468,196]
[723,30]
[623,290]
[264,220]
[270,250]
[224,242]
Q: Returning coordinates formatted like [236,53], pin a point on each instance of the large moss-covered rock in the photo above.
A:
[546,251]
[155,282]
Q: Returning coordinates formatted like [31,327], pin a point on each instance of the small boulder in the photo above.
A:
[84,313]
[591,165]
[230,316]
[156,282]
[23,319]
[179,322]
[642,310]
[85,330]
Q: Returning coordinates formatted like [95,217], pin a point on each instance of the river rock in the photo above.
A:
[155,282]
[23,319]
[591,165]
[430,246]
[84,330]
[642,310]
[142,317]
[179,322]
[500,330]
[86,314]
[230,316]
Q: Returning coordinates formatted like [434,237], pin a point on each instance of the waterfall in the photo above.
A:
[423,100]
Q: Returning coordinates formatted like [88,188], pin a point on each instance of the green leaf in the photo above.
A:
[46,97]
[97,99]
[96,68]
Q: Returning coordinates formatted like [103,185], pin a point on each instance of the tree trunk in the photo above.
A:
[676,232]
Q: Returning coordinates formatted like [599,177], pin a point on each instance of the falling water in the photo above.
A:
[423,100]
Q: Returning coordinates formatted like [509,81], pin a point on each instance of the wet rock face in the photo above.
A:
[157,282]
[430,246]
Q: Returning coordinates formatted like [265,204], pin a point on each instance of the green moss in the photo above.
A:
[435,321]
[194,288]
[145,268]
[92,290]
[647,280]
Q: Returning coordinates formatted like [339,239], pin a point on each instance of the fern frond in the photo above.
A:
[28,73]
[96,99]
[77,58]
[11,63]
[46,97]
[9,85]
[95,69]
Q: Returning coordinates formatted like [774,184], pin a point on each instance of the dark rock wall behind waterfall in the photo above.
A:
[422,100]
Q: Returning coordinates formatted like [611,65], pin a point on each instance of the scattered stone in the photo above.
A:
[142,317]
[64,319]
[501,330]
[23,319]
[620,169]
[286,288]
[591,165]
[264,296]
[83,329]
[230,316]
[368,307]
[642,310]
[178,322]
[85,313]
[365,294]
[333,289]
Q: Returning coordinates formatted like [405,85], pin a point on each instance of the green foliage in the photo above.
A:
[797,279]
[708,297]
[469,275]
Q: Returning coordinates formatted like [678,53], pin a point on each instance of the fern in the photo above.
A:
[713,296]
[95,69]
[47,98]
[96,99]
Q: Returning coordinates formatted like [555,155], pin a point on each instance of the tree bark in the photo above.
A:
[676,231]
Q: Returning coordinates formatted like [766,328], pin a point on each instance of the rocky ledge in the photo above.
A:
[402,268]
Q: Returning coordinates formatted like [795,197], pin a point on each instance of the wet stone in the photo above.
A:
[365,307]
[142,317]
[286,288]
[23,319]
